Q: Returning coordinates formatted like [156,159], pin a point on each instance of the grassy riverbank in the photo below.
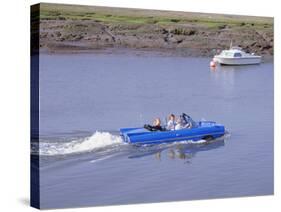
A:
[68,28]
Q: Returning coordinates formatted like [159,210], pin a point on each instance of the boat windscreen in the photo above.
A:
[189,120]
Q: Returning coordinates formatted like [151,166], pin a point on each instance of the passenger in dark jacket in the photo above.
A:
[156,126]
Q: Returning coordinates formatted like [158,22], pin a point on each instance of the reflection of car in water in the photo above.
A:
[183,151]
[207,130]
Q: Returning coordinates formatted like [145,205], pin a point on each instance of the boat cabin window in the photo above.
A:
[237,54]
[226,54]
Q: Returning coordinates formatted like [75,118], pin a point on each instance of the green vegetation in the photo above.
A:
[133,16]
[136,28]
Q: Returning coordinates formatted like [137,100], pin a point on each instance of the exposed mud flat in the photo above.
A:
[72,29]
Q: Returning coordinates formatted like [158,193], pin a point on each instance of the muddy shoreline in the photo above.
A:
[74,29]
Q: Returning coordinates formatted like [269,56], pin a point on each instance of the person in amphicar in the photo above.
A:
[155,127]
[171,122]
[181,123]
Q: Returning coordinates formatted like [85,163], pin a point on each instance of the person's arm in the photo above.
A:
[188,125]
[168,127]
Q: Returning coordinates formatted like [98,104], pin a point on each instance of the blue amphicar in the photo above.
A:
[206,130]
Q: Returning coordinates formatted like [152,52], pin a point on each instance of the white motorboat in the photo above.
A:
[236,56]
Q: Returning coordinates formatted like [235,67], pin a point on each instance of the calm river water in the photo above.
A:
[86,98]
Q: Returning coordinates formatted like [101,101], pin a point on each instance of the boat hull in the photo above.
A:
[204,130]
[238,61]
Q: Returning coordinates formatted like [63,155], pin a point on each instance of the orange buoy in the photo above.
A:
[212,64]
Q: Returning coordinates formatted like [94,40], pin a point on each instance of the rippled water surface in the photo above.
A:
[86,98]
